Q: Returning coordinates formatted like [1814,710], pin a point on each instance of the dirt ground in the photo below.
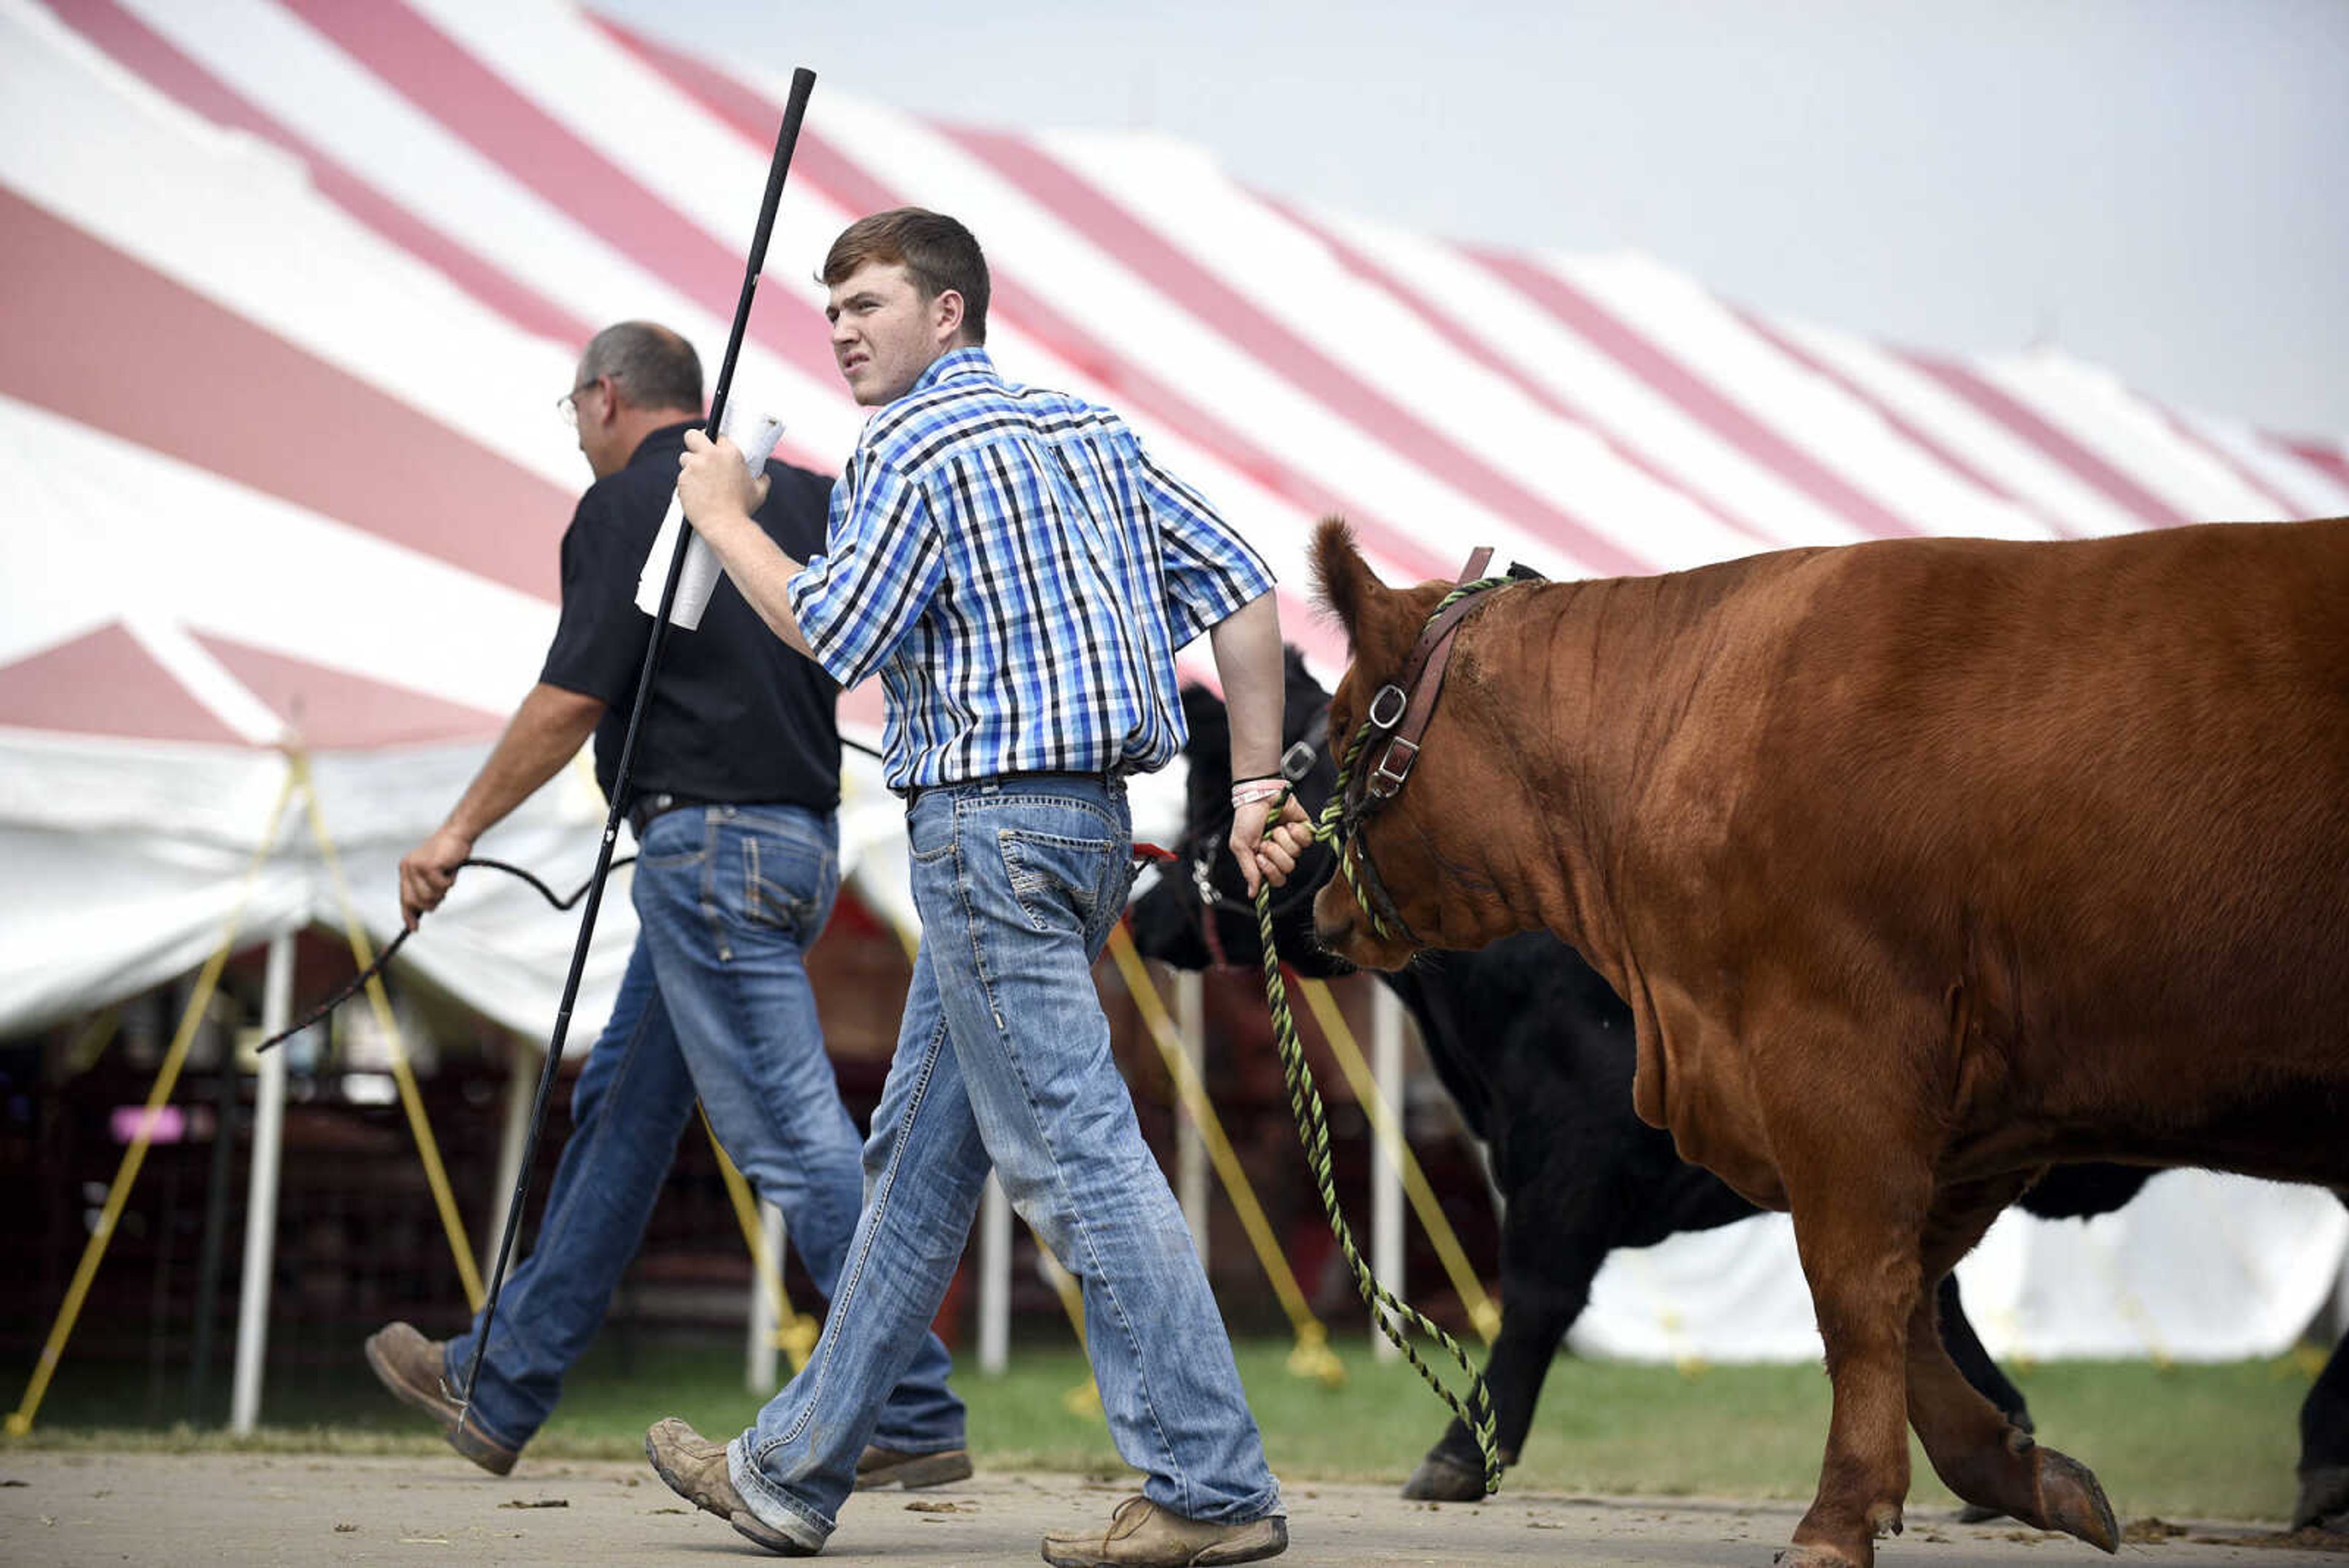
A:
[74,1509]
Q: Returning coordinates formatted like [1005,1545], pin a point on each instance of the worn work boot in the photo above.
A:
[695,1468]
[1140,1534]
[878,1467]
[416,1370]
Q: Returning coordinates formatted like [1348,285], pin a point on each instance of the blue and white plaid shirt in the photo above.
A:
[1021,574]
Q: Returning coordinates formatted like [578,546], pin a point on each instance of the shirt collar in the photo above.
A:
[969,360]
[665,441]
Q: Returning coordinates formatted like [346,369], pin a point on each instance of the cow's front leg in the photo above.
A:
[1977,1449]
[1858,1194]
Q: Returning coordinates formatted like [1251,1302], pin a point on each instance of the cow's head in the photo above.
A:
[1419,858]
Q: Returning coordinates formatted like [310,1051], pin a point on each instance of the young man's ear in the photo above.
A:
[946,315]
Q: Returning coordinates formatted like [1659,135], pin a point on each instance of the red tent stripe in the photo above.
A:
[148,54]
[1468,343]
[1183,281]
[2021,420]
[98,337]
[1694,396]
[535,148]
[2330,460]
[142,700]
[830,170]
[1916,434]
[2247,476]
[335,708]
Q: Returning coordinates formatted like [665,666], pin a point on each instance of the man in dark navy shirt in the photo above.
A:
[736,782]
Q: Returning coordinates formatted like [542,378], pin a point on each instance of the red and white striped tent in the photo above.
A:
[287,288]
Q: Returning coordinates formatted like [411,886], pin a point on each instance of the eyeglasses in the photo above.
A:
[567,405]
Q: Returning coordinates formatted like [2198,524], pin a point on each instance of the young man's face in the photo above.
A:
[885,334]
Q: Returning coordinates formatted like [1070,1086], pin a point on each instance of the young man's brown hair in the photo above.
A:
[935,250]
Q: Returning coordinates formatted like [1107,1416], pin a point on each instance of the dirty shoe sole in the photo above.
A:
[917,1470]
[748,1525]
[1252,1545]
[465,1437]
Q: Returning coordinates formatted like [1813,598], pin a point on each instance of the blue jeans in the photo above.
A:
[1004,1058]
[716,1001]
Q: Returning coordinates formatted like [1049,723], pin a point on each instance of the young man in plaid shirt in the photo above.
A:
[1020,574]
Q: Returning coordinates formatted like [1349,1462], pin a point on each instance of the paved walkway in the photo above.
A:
[74,1509]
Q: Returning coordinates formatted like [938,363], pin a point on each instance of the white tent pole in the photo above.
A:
[1386,1177]
[521,1082]
[261,1192]
[759,1361]
[1190,1149]
[994,1279]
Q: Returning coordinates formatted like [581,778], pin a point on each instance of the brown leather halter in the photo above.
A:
[1400,710]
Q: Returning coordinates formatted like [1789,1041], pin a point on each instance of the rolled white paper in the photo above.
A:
[701,567]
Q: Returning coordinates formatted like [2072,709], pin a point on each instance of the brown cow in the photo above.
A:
[1923,864]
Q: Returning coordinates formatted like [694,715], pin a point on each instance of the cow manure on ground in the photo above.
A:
[2143,1531]
[2281,1541]
[924,1505]
[538,1502]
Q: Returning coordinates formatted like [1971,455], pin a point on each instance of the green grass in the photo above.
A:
[2208,1441]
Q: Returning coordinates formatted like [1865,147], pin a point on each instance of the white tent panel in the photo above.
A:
[2199,1267]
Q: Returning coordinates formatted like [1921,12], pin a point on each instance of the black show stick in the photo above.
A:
[794,109]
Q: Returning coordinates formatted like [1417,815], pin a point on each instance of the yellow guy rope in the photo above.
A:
[795,1331]
[1349,1052]
[435,1175]
[21,1421]
[1313,1357]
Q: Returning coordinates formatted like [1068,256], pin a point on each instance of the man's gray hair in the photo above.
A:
[655,366]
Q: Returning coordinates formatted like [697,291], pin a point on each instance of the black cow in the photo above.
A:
[1537,1050]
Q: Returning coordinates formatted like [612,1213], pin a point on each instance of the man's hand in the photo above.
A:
[715,486]
[1267,847]
[428,871]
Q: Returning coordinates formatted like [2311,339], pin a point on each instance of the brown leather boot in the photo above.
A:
[695,1468]
[416,1369]
[878,1467]
[1140,1534]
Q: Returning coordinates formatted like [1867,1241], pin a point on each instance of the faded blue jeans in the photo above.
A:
[716,1001]
[1004,1058]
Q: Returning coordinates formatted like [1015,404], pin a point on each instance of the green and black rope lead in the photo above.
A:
[1387,1310]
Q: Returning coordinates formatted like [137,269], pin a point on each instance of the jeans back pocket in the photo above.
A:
[1059,882]
[787,884]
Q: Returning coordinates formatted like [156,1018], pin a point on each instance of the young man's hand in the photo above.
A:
[714,484]
[1266,847]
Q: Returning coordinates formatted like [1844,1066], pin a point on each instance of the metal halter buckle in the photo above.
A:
[1378,703]
[1297,761]
[1393,768]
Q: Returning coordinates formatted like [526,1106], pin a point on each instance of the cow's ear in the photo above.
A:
[1343,579]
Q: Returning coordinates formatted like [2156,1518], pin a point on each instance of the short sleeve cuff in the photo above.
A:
[817,610]
[1232,592]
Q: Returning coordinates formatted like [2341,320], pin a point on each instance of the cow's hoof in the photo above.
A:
[2323,1500]
[2071,1500]
[1441,1479]
[1816,1555]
